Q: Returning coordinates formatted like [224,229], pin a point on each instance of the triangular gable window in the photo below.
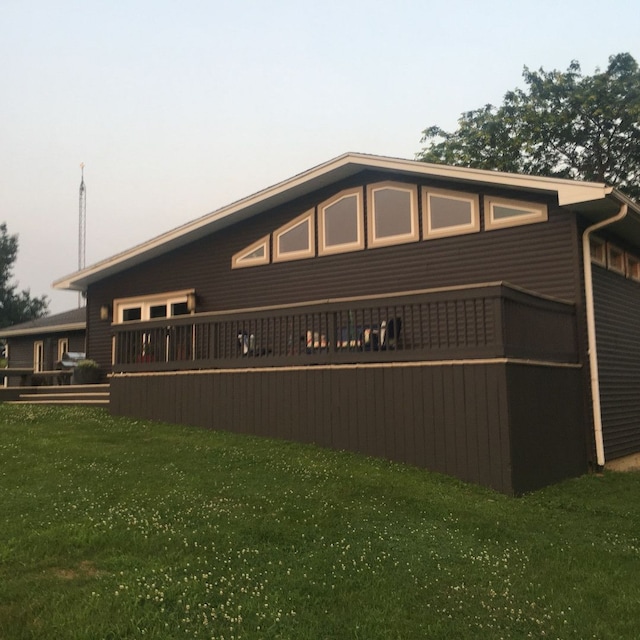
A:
[501,213]
[253,255]
[295,240]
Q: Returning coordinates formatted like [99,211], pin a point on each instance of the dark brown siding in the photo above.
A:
[21,352]
[539,257]
[21,349]
[450,418]
[546,414]
[617,309]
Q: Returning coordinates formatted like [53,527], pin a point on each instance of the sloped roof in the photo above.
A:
[595,200]
[73,320]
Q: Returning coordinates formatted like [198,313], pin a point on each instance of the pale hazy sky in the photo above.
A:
[178,107]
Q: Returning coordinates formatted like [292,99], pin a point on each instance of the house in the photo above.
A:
[476,323]
[37,346]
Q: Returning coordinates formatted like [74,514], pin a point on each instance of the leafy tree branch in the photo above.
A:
[564,124]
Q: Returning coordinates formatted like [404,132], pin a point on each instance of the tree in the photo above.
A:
[15,306]
[563,124]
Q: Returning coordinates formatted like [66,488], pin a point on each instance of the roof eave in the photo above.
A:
[344,166]
[14,333]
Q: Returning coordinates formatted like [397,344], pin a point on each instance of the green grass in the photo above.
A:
[114,528]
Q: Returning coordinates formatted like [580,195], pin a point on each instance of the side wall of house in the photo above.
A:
[540,257]
[617,309]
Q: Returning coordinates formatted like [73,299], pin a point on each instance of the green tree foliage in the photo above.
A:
[563,124]
[15,306]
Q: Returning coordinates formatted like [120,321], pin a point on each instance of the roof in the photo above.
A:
[595,200]
[73,320]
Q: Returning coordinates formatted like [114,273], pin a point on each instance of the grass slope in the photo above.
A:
[112,528]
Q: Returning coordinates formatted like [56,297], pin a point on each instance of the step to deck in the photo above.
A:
[76,401]
[89,395]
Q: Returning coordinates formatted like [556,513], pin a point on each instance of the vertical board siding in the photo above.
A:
[547,425]
[477,422]
[617,311]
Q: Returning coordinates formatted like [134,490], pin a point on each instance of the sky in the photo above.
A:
[179,107]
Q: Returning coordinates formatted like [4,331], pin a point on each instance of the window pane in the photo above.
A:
[392,213]
[598,254]
[179,309]
[255,254]
[295,239]
[449,212]
[500,212]
[132,314]
[341,222]
[616,259]
[158,311]
[633,268]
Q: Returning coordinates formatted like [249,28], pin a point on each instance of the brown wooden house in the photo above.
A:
[480,324]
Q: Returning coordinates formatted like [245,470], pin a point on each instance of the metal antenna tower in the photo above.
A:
[82,228]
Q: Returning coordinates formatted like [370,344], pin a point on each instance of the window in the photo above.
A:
[449,213]
[500,213]
[131,313]
[598,249]
[163,305]
[38,356]
[392,209]
[633,268]
[253,255]
[615,259]
[341,223]
[179,308]
[295,240]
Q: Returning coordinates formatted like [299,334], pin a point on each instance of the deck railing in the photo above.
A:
[485,321]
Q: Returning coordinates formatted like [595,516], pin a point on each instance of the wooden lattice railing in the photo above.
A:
[486,321]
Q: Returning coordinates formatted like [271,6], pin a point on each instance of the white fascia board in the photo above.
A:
[568,192]
[60,328]
[197,228]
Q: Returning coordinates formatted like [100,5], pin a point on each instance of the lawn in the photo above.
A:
[114,528]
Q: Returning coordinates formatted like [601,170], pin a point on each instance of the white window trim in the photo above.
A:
[454,230]
[63,347]
[7,357]
[538,212]
[636,261]
[38,356]
[601,244]
[323,249]
[400,238]
[240,260]
[120,305]
[610,265]
[279,256]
